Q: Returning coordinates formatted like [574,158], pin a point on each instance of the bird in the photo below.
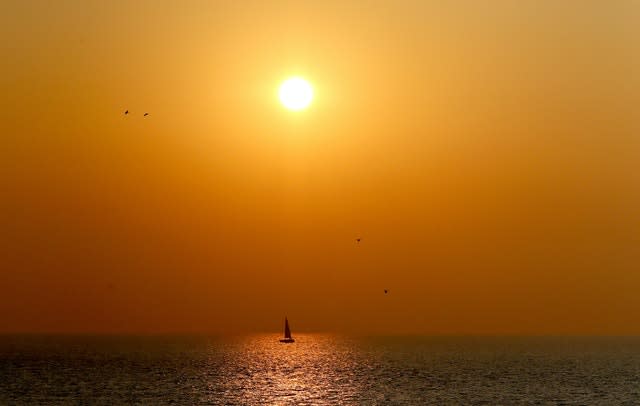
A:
[358,239]
[126,112]
[146,114]
[386,291]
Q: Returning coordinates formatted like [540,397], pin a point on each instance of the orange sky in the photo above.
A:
[487,154]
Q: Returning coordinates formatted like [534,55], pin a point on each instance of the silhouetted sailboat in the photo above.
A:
[287,333]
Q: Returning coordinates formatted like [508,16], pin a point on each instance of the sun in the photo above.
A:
[296,93]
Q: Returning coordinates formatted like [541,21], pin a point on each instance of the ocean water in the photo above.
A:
[319,370]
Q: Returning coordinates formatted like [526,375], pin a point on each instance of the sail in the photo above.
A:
[287,332]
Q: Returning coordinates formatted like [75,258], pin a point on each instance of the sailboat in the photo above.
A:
[287,333]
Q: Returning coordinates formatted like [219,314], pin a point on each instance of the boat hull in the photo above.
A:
[288,340]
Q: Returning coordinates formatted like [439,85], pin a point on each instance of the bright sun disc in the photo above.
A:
[296,93]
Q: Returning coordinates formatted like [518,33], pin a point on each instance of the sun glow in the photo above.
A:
[296,93]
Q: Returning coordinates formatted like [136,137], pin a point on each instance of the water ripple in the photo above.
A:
[318,370]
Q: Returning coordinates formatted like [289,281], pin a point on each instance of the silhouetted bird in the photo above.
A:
[126,112]
[146,114]
[358,239]
[386,291]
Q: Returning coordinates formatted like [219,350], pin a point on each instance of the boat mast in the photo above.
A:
[287,332]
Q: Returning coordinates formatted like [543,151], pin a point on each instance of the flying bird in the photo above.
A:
[358,239]
[126,112]
[146,114]
[386,291]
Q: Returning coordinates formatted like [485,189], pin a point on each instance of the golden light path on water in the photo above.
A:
[315,369]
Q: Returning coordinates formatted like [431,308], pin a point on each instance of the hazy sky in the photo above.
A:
[486,152]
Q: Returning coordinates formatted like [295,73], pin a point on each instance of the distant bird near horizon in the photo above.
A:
[386,291]
[145,114]
[358,239]
[126,112]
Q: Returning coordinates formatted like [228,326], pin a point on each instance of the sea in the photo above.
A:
[318,369]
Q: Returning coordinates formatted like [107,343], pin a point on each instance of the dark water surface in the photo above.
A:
[318,370]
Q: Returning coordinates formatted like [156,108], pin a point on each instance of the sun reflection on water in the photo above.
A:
[316,368]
